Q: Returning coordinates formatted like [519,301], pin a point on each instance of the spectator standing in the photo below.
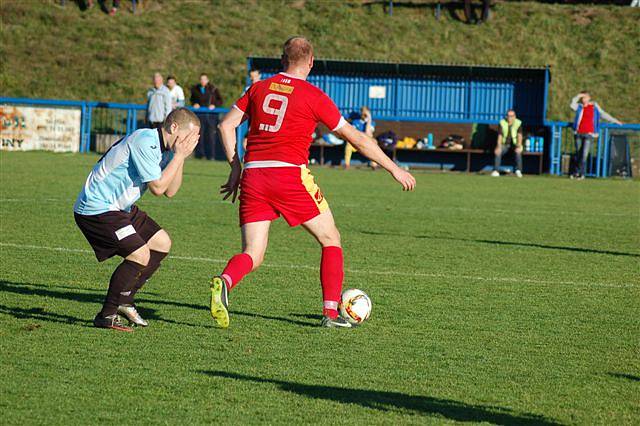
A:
[255,76]
[114,8]
[177,94]
[509,139]
[206,95]
[471,17]
[366,125]
[586,127]
[158,102]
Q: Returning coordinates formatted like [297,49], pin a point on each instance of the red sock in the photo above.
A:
[238,266]
[331,276]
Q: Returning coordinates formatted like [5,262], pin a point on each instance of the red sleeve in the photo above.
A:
[243,103]
[328,113]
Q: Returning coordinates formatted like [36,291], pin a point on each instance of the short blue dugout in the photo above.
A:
[424,92]
[419,99]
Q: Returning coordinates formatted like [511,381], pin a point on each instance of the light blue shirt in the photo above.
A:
[120,178]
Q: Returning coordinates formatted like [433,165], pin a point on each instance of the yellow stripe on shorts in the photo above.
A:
[313,189]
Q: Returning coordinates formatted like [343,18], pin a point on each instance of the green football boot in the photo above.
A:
[219,302]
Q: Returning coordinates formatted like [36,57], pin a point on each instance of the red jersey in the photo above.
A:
[284,112]
[586,122]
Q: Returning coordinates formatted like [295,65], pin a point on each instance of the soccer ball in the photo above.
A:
[355,306]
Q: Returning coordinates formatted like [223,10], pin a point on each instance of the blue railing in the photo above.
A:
[562,145]
[103,117]
[123,119]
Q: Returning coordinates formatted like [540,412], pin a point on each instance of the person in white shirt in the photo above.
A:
[177,94]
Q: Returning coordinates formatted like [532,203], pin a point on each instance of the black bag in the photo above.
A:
[387,140]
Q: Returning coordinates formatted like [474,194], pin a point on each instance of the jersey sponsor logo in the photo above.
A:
[282,88]
[154,147]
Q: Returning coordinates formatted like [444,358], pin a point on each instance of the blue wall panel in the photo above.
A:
[436,98]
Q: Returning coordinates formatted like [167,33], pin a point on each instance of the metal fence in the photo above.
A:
[562,148]
[107,118]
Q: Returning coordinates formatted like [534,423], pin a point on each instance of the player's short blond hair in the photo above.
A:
[295,50]
[182,117]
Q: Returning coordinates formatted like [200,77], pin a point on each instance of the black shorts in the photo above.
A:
[118,233]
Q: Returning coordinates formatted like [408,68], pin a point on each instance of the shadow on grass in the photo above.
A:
[273,318]
[625,376]
[149,313]
[315,317]
[506,243]
[77,295]
[41,315]
[392,401]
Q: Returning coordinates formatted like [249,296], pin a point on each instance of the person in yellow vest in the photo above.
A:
[509,138]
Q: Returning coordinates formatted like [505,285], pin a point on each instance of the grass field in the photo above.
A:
[495,300]
[51,51]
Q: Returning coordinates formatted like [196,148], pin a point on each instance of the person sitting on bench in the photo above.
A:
[367,126]
[509,139]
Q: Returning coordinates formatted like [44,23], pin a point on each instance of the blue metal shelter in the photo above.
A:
[423,92]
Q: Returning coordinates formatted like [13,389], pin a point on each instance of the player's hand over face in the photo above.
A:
[230,189]
[405,179]
[185,145]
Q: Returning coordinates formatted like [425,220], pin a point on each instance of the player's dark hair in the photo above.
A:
[170,77]
[296,50]
[182,117]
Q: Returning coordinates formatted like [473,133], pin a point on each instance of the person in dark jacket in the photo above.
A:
[206,95]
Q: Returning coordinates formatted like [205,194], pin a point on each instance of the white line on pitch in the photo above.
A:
[354,271]
[437,208]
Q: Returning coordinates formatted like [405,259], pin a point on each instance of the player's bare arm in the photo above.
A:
[176,183]
[182,148]
[228,128]
[368,147]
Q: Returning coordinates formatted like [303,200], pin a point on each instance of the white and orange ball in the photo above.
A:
[355,306]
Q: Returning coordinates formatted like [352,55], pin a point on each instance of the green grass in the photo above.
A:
[62,52]
[497,300]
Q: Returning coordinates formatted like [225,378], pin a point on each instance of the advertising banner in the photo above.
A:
[26,128]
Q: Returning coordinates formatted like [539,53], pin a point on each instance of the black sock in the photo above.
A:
[154,264]
[122,283]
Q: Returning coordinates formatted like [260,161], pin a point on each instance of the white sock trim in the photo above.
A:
[227,278]
[330,304]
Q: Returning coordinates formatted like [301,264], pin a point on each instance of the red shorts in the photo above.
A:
[269,192]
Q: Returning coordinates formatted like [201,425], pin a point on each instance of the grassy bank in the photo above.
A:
[63,52]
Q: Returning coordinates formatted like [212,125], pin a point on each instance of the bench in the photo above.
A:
[462,159]
[467,152]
